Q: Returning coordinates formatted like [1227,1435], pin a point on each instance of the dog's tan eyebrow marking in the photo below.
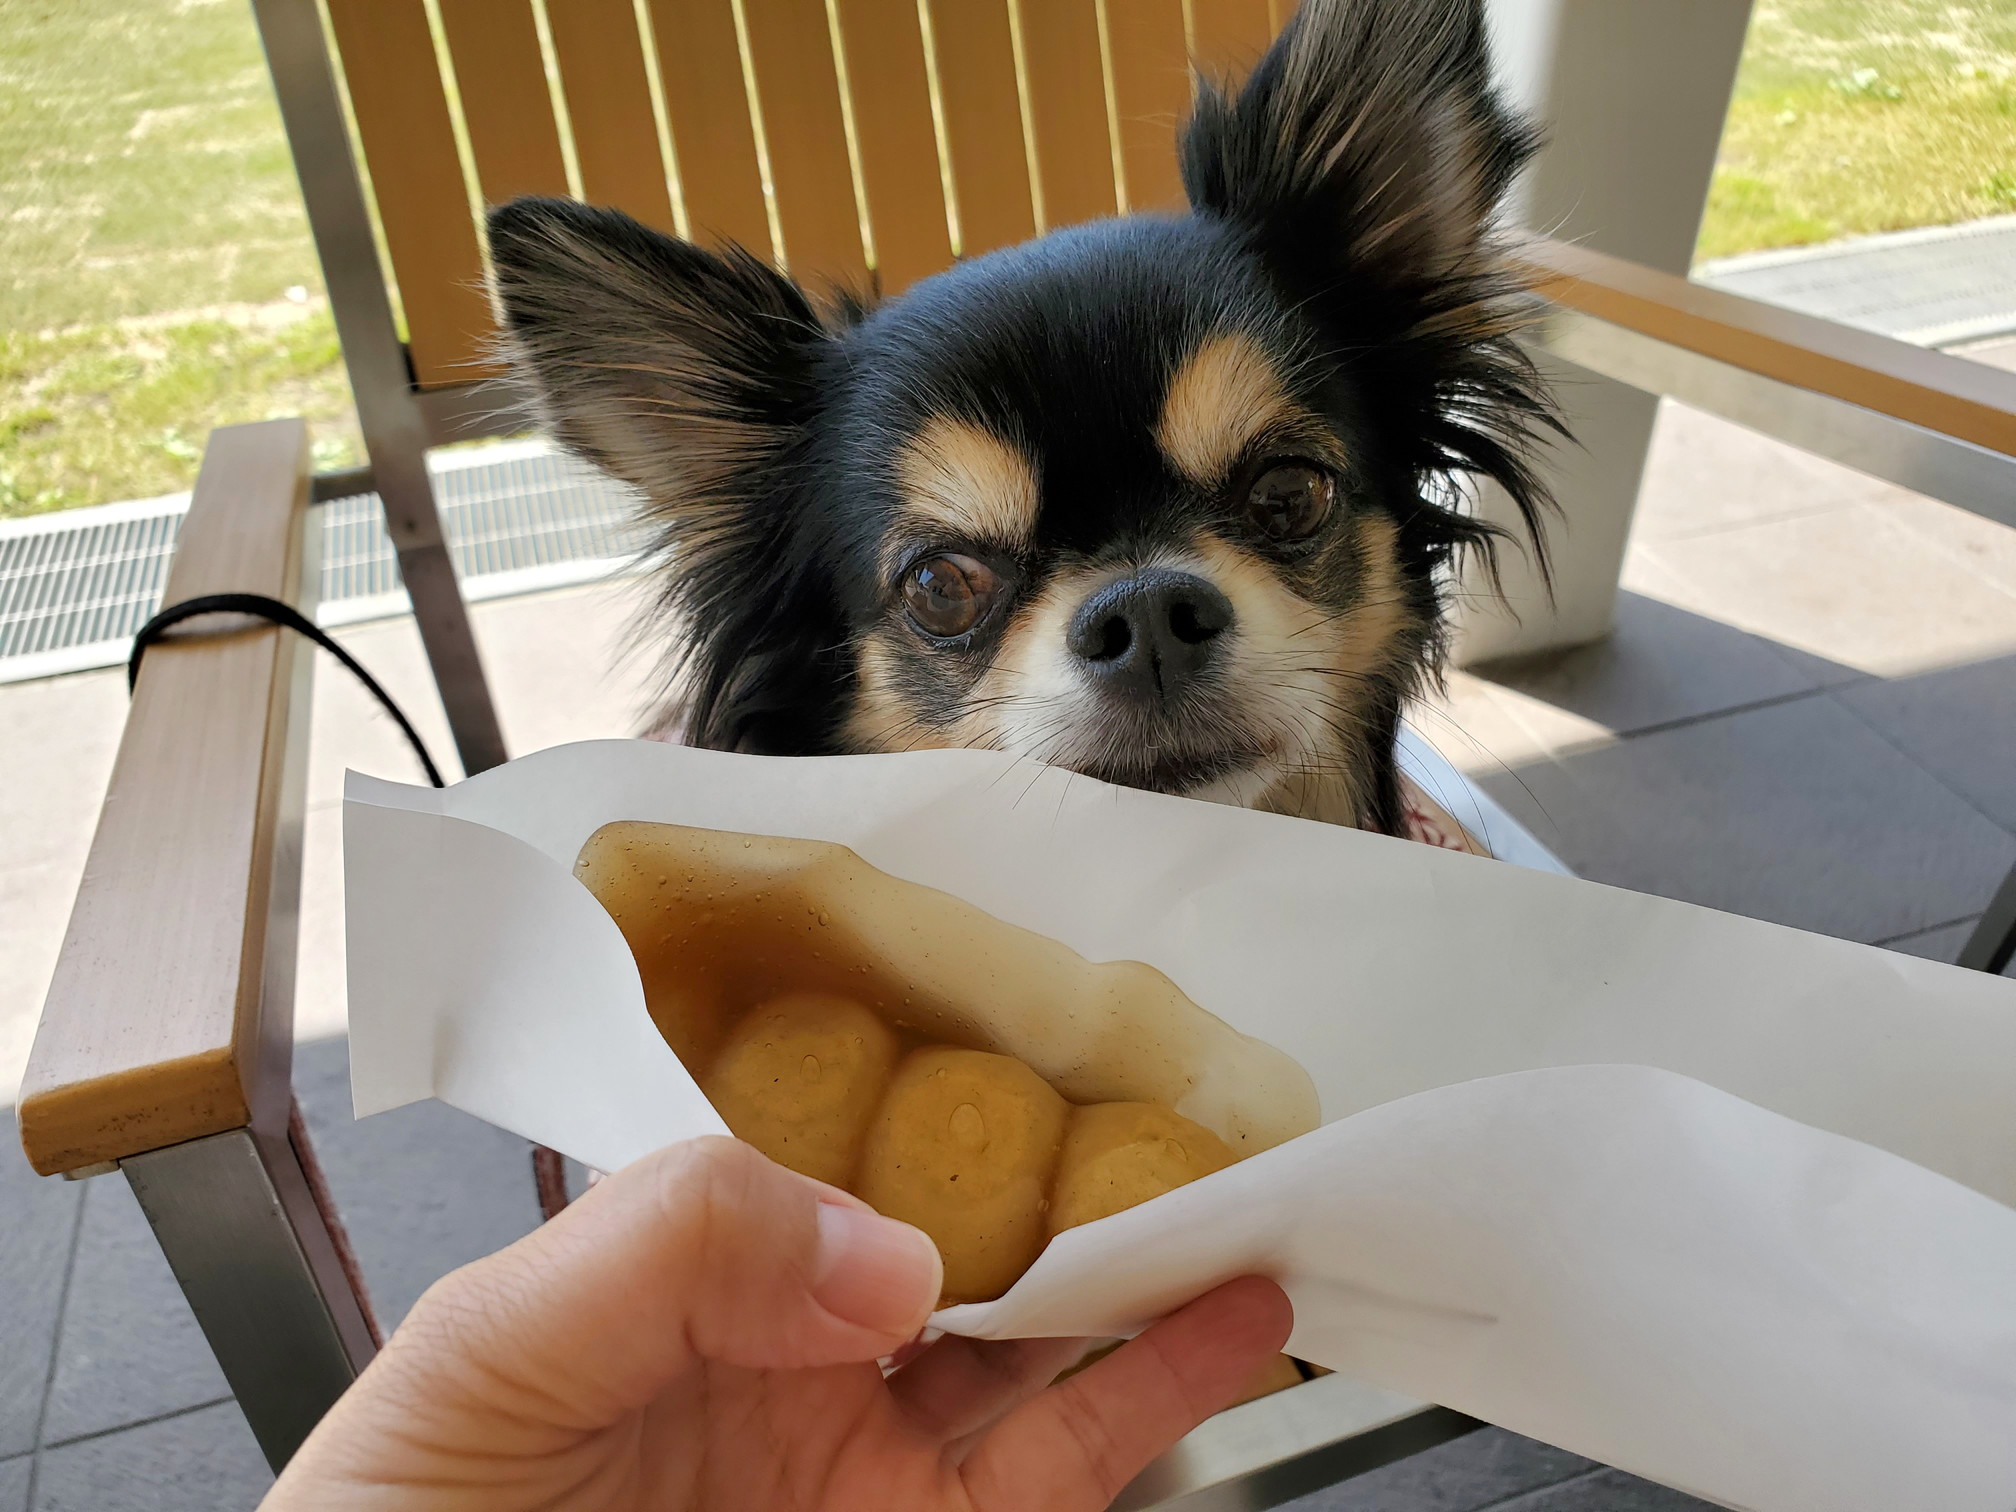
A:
[1221,399]
[961,479]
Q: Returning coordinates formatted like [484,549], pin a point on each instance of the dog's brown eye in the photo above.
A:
[1289,500]
[948,595]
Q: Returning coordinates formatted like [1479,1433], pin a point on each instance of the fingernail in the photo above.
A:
[874,1272]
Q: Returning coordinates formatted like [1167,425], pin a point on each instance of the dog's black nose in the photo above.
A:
[1150,634]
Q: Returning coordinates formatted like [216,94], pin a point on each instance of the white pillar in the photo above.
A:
[1632,94]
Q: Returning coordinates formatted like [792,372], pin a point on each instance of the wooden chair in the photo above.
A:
[165,1044]
[851,152]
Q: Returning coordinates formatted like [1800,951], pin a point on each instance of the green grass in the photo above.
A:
[93,413]
[150,228]
[150,231]
[1855,116]
[144,166]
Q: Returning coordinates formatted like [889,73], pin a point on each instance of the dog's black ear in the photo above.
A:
[1364,159]
[673,368]
[691,375]
[1369,138]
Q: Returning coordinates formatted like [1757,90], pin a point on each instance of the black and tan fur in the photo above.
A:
[1092,411]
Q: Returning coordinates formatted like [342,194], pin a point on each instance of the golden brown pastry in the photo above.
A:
[1120,1154]
[721,922]
[977,1080]
[800,1077]
[965,1148]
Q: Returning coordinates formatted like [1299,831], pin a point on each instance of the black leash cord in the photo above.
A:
[549,1175]
[261,607]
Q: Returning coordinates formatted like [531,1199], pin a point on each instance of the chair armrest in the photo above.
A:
[170,1014]
[1967,401]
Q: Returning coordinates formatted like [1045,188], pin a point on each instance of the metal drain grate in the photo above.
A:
[520,517]
[83,582]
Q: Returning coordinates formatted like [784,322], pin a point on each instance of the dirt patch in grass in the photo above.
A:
[1854,116]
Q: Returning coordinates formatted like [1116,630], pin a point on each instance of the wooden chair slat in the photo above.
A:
[1064,79]
[608,96]
[1150,65]
[501,80]
[1969,401]
[890,93]
[416,177]
[805,134]
[158,1027]
[707,108]
[975,54]
[1228,36]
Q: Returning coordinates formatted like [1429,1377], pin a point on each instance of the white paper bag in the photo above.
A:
[1712,1200]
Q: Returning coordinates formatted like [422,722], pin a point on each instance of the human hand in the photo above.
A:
[701,1330]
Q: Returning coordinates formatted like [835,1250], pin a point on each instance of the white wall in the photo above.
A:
[1633,94]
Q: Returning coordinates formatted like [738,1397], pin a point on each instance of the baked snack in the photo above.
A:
[965,1147]
[800,1077]
[1118,1154]
[984,1082]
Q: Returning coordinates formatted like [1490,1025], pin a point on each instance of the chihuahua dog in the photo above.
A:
[1169,500]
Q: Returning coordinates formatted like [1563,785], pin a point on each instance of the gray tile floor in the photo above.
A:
[1805,715]
[1932,285]
[101,1363]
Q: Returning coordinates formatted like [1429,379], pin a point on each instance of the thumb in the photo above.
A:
[704,1251]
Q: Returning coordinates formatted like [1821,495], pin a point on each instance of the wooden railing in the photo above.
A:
[170,1015]
[1952,396]
[1931,422]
